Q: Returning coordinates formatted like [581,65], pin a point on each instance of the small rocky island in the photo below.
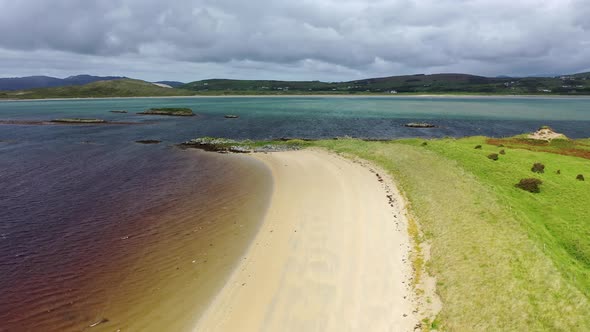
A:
[170,111]
[119,111]
[231,116]
[419,125]
[78,120]
[225,145]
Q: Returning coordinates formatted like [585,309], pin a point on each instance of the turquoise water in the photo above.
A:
[325,117]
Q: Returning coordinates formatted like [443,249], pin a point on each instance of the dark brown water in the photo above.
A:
[106,237]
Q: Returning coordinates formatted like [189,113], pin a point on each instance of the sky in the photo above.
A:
[328,40]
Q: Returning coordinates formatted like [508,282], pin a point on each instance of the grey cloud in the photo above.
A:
[352,37]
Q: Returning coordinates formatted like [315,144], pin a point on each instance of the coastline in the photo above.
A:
[344,96]
[332,254]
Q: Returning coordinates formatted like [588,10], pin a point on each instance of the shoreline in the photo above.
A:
[332,254]
[345,96]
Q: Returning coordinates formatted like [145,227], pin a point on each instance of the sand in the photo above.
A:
[331,254]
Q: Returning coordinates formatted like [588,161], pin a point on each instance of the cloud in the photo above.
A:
[336,38]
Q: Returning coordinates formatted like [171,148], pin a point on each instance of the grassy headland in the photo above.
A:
[505,259]
[101,89]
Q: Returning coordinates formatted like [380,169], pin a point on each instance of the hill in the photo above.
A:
[113,88]
[578,84]
[34,82]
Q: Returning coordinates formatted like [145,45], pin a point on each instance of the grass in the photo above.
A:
[505,259]
[557,218]
[577,148]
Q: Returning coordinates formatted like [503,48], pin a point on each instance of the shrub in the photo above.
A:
[424,143]
[558,172]
[580,177]
[530,185]
[493,156]
[538,168]
[502,152]
[501,145]
[478,146]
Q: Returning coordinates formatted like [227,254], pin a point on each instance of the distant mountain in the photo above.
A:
[124,87]
[173,84]
[33,82]
[448,83]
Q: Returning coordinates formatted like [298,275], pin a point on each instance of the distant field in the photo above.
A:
[101,89]
[578,84]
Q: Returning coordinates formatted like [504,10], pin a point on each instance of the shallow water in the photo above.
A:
[95,228]
[141,236]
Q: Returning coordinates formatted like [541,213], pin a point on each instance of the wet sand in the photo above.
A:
[331,255]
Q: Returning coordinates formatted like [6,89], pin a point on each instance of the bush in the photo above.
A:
[501,145]
[424,143]
[530,185]
[493,156]
[558,172]
[538,168]
[478,146]
[502,152]
[580,177]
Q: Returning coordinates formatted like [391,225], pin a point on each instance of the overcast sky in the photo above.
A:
[330,40]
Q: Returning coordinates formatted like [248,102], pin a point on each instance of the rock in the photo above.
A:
[148,141]
[239,149]
[419,125]
[545,133]
[78,120]
[231,116]
[169,111]
[118,111]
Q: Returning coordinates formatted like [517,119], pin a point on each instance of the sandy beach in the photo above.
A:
[331,255]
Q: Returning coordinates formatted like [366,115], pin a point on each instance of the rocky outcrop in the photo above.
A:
[168,111]
[419,125]
[545,133]
[78,120]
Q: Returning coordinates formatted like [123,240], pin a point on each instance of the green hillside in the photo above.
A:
[115,88]
[577,84]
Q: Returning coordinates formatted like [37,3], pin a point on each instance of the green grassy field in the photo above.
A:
[504,259]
